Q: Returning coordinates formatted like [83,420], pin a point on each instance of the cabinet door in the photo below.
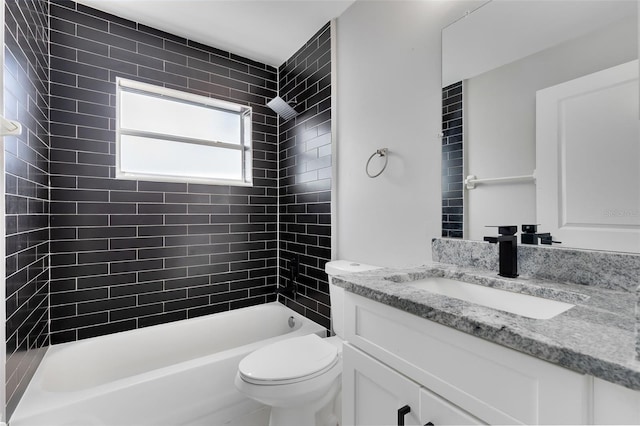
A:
[437,411]
[373,393]
[578,203]
[614,404]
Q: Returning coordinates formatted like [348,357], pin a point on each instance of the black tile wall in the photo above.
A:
[26,70]
[452,161]
[305,175]
[129,254]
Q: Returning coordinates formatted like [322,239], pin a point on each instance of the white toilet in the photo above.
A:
[300,378]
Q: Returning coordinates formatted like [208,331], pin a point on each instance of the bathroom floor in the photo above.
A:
[235,416]
[245,413]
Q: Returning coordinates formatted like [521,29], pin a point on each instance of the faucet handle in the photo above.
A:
[530,235]
[493,240]
[548,239]
[505,230]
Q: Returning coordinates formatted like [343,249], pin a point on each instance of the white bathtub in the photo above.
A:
[179,373]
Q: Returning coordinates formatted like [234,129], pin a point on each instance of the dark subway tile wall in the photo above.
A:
[26,65]
[305,175]
[452,161]
[129,254]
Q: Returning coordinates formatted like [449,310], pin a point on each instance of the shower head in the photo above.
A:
[282,108]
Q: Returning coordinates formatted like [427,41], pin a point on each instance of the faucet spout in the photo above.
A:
[507,250]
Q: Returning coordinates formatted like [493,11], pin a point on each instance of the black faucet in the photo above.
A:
[507,250]
[530,235]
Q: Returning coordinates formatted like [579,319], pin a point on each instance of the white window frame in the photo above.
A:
[245,113]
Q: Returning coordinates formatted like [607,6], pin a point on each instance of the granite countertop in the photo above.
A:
[595,337]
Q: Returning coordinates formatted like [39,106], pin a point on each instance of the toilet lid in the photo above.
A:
[289,360]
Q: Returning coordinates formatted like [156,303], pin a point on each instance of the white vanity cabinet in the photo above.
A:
[614,404]
[445,376]
[380,395]
[377,392]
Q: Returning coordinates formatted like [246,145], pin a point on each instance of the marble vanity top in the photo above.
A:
[595,337]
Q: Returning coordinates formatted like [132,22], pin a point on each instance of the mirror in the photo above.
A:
[498,63]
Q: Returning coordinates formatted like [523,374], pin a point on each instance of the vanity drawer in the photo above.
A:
[494,383]
[438,411]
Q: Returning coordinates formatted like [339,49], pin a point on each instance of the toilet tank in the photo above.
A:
[341,267]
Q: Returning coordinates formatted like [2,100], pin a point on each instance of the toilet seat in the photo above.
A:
[289,361]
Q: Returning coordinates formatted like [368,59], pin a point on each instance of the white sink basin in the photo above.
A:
[516,303]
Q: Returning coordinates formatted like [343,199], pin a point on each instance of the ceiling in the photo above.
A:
[268,31]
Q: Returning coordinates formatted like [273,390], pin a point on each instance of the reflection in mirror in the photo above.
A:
[496,60]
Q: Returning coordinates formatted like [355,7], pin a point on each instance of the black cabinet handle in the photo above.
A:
[403,411]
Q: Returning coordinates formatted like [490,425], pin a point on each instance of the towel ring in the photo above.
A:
[382,152]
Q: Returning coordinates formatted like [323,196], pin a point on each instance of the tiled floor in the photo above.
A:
[259,417]
[242,414]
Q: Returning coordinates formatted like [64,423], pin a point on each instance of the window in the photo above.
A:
[168,135]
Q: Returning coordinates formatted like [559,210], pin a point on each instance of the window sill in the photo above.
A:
[181,179]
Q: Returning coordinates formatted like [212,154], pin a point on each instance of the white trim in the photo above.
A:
[179,179]
[334,140]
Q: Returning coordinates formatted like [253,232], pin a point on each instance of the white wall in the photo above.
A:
[389,95]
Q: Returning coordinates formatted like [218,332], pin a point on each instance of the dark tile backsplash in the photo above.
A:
[452,161]
[129,254]
[26,69]
[305,175]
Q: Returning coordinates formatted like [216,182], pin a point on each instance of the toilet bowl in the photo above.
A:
[300,378]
